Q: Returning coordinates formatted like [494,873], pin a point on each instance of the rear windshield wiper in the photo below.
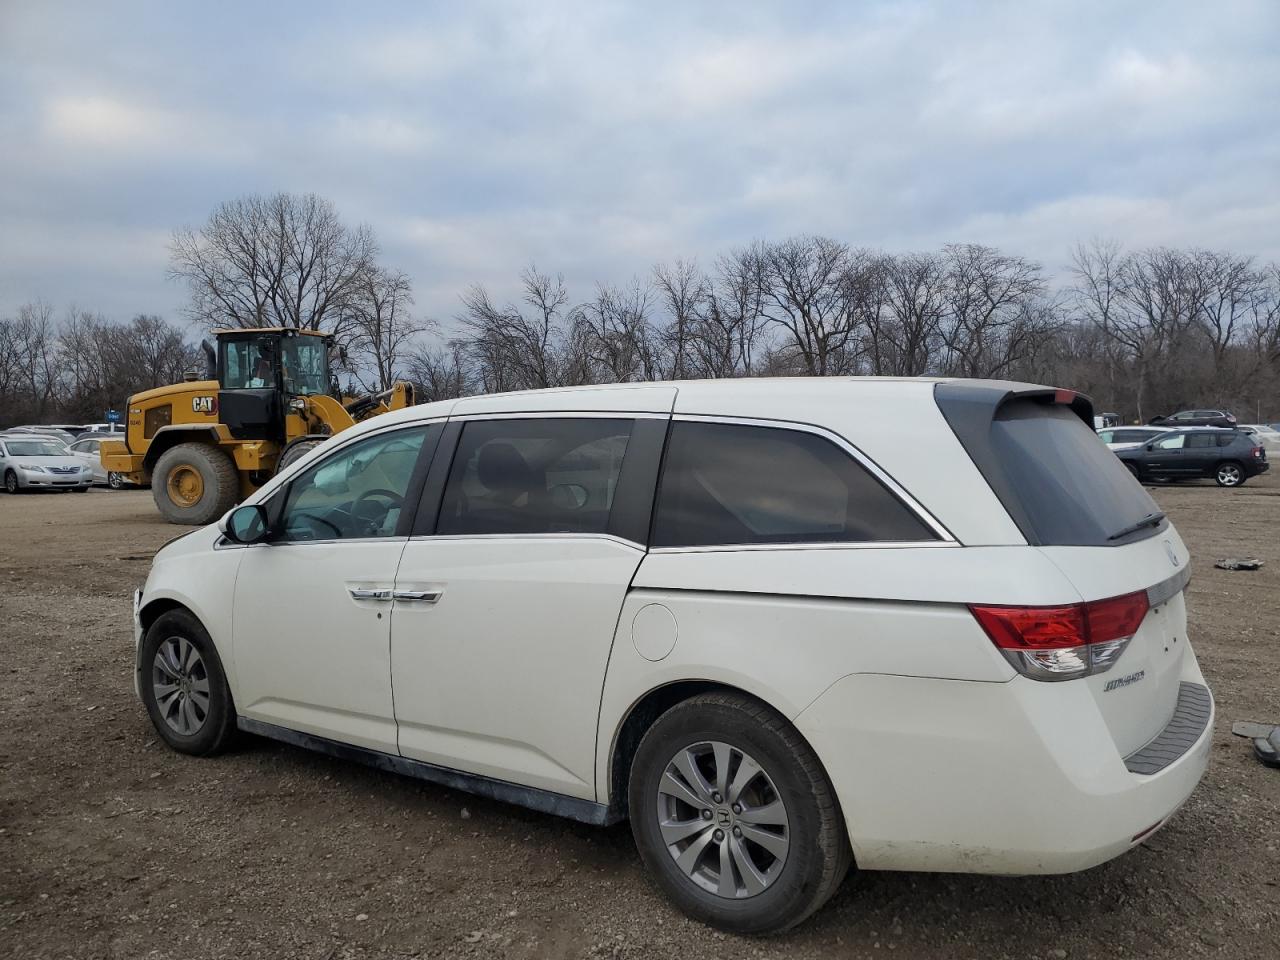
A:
[1150,520]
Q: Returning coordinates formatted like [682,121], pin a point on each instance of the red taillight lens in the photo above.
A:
[1032,628]
[1115,618]
[1256,451]
[1049,643]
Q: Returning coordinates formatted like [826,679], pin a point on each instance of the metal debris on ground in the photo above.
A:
[1234,564]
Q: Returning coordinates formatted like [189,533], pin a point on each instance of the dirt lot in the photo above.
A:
[113,846]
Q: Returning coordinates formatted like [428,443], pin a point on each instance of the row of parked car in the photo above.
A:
[35,457]
[1192,444]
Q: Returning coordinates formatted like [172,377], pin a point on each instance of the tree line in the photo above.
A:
[1143,332]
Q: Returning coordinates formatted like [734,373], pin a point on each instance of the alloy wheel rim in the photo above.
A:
[11,483]
[180,683]
[1229,475]
[722,820]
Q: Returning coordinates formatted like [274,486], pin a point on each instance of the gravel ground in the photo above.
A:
[113,846]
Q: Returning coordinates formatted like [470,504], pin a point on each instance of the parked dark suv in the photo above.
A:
[1195,418]
[1230,457]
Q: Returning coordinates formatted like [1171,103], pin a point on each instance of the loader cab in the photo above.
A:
[260,371]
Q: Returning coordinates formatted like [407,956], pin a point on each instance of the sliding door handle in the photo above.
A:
[417,596]
[363,593]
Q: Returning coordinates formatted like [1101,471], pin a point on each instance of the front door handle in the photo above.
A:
[368,593]
[417,596]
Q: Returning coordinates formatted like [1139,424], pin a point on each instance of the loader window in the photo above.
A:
[249,364]
[306,368]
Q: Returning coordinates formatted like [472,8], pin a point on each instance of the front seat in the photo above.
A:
[511,486]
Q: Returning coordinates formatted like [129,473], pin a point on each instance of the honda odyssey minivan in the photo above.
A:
[782,626]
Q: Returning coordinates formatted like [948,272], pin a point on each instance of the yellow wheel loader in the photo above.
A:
[204,445]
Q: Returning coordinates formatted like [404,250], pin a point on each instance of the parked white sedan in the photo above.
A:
[88,451]
[1126,438]
[780,626]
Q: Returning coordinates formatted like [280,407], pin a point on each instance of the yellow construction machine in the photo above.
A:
[204,445]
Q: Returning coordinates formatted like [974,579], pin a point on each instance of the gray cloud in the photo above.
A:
[598,138]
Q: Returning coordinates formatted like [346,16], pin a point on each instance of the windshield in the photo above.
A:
[35,448]
[305,366]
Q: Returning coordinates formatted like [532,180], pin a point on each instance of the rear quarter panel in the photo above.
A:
[784,625]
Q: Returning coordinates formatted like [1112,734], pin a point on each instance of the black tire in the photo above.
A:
[220,483]
[818,854]
[218,726]
[296,452]
[1133,469]
[11,482]
[1229,473]
[115,481]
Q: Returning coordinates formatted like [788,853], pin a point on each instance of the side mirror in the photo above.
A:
[247,524]
[1150,445]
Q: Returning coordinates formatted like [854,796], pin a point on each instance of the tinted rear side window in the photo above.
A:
[729,484]
[1061,485]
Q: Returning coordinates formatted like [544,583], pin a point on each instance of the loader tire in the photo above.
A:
[194,483]
[296,451]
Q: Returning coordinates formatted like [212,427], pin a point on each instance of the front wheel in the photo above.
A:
[1229,474]
[183,685]
[734,816]
[195,483]
[10,482]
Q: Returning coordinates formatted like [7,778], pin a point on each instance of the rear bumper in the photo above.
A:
[1000,778]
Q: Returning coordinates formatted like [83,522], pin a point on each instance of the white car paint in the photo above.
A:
[1112,436]
[87,450]
[532,651]
[1265,435]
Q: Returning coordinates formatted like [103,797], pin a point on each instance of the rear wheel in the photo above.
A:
[734,816]
[1229,474]
[115,481]
[194,483]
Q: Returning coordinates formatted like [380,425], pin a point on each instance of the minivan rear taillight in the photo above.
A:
[1256,452]
[1064,642]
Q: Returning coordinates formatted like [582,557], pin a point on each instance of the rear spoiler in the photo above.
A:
[970,406]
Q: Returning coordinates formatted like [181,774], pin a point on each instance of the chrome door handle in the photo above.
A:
[362,593]
[417,596]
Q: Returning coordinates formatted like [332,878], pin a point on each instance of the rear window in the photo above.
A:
[1060,485]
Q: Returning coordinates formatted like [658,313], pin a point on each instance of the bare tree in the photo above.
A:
[613,331]
[906,329]
[807,293]
[382,326]
[441,373]
[992,316]
[284,260]
[512,349]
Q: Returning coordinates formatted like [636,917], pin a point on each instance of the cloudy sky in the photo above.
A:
[597,138]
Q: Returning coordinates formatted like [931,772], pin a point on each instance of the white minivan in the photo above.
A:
[782,626]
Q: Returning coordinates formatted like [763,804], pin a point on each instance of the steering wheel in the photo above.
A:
[371,528]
